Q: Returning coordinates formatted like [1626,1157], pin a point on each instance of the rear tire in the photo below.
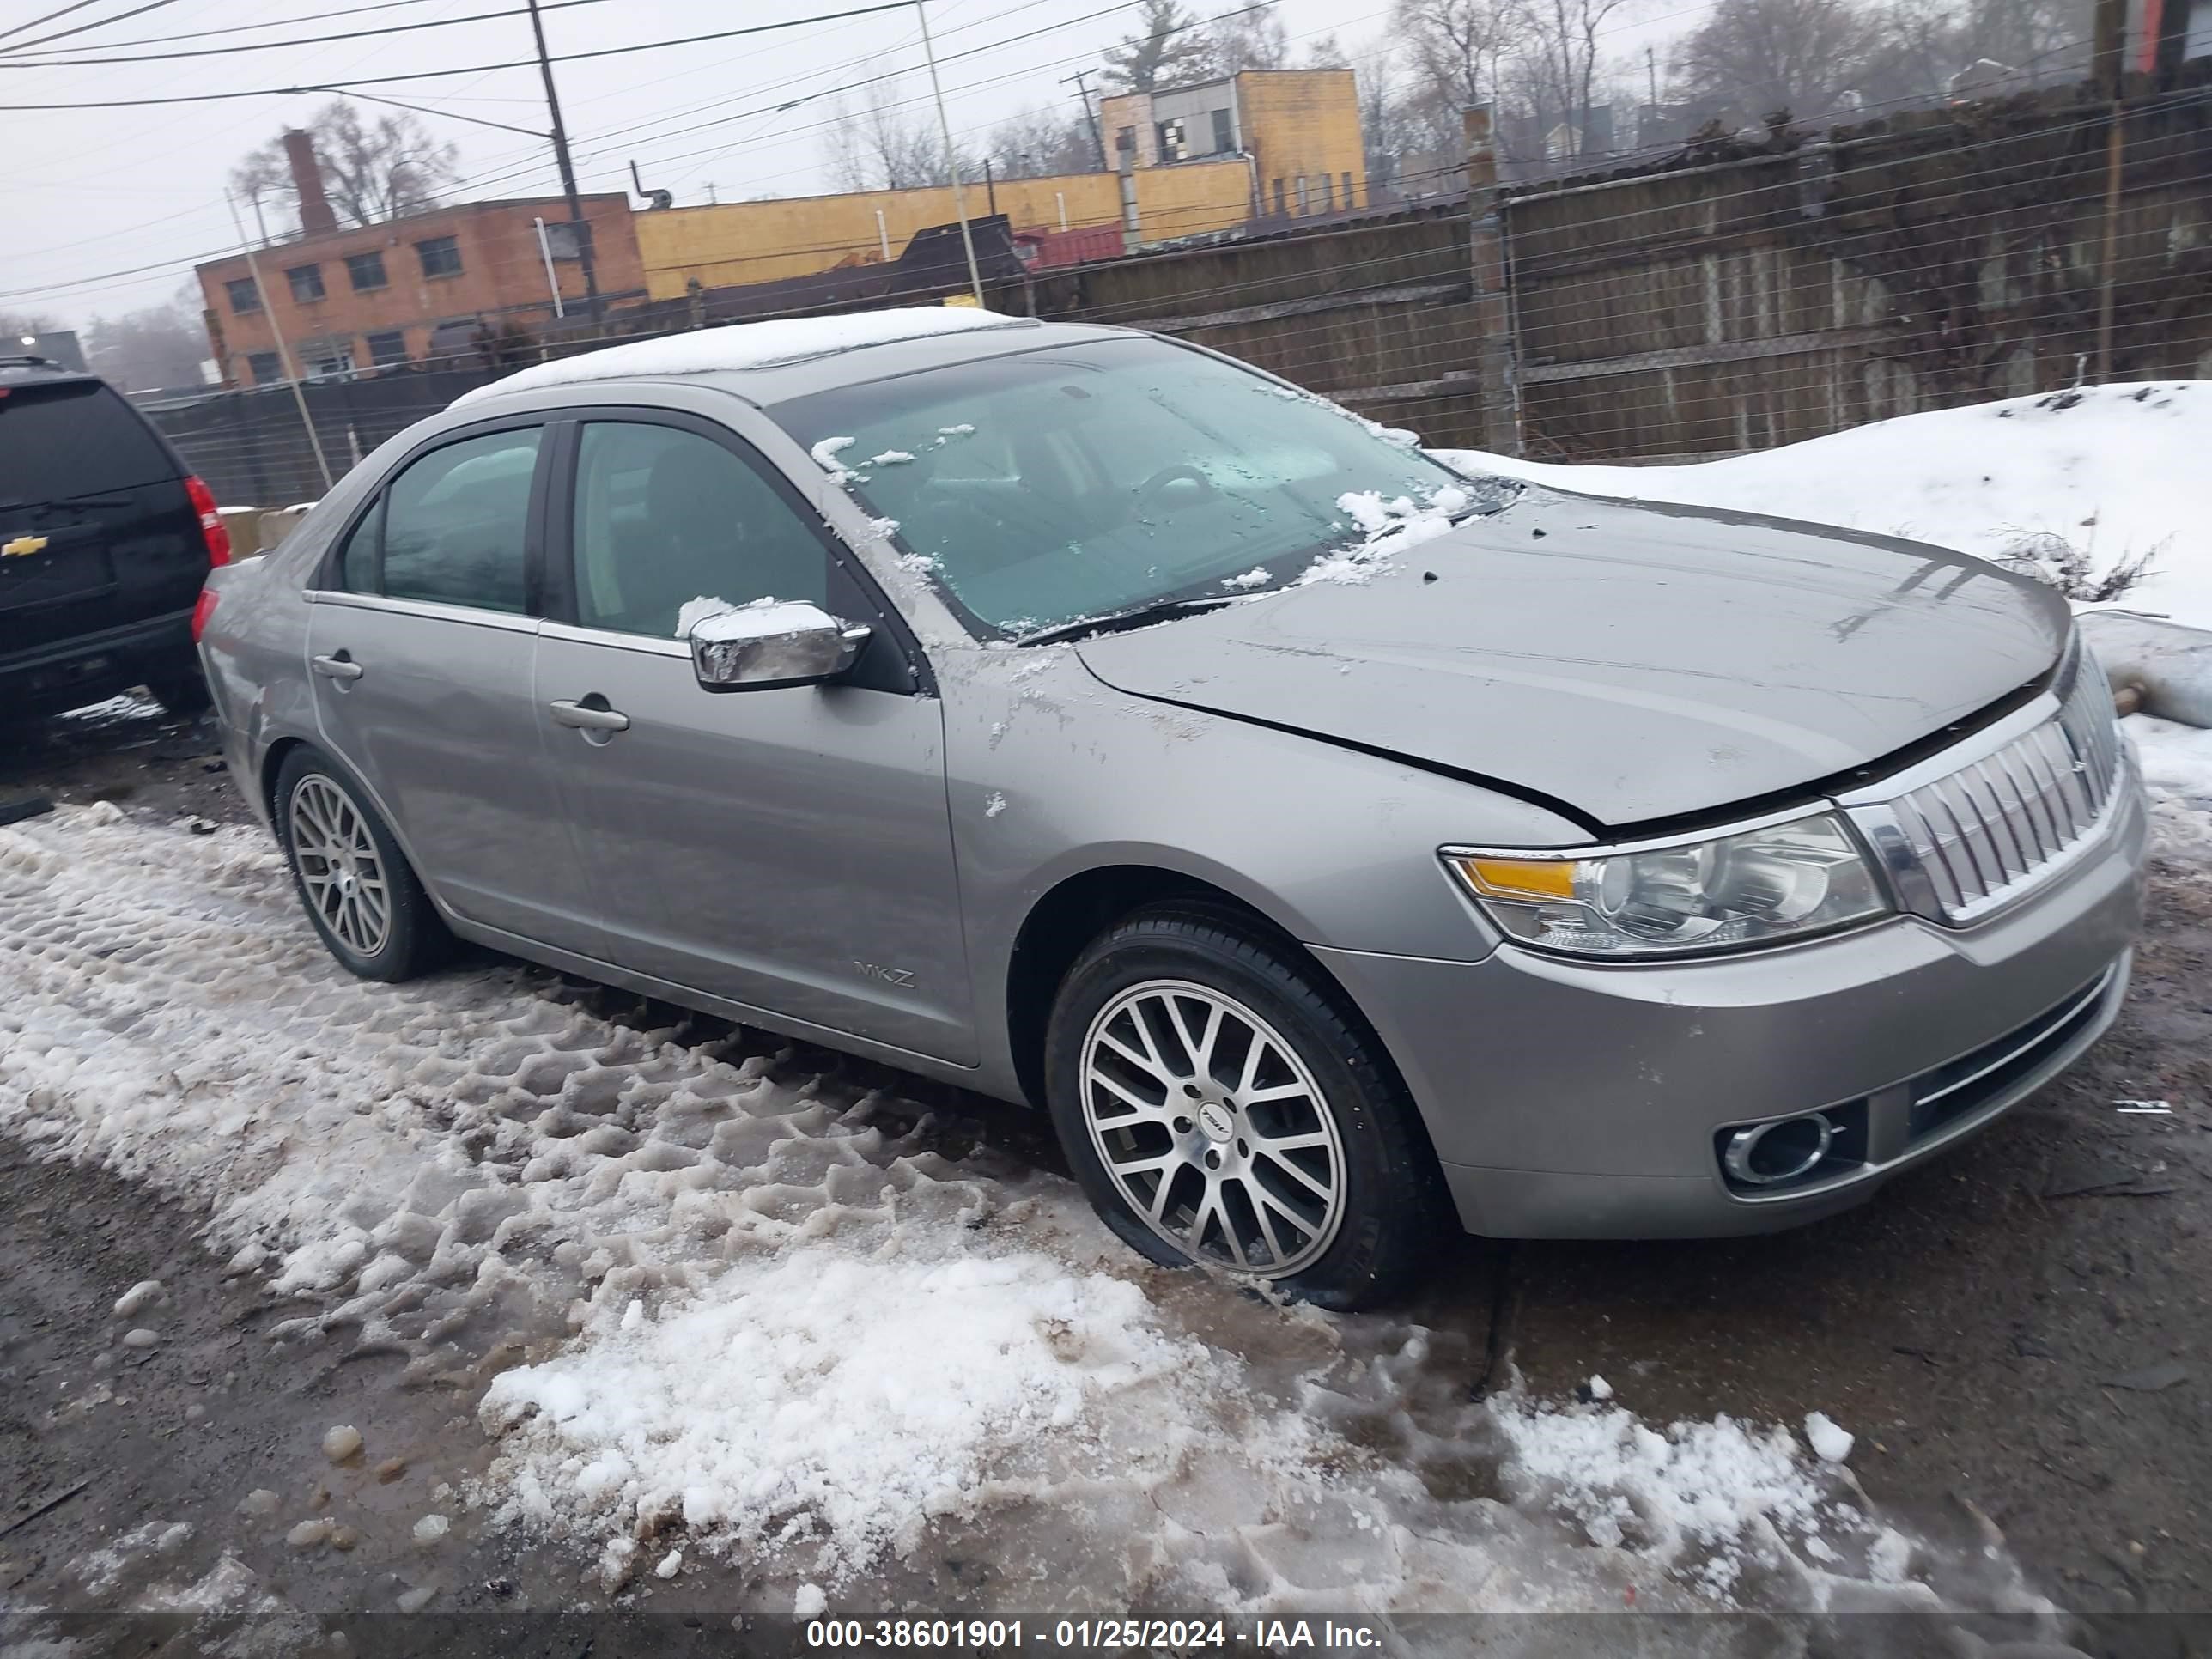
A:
[1220,1103]
[353,882]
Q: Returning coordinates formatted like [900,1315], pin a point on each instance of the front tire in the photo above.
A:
[352,879]
[1221,1105]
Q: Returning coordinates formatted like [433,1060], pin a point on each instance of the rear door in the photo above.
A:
[419,646]
[95,529]
[790,850]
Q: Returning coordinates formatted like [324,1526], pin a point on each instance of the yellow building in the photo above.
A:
[739,242]
[1298,131]
[1188,161]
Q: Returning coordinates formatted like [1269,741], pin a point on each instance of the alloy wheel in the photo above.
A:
[339,867]
[1212,1128]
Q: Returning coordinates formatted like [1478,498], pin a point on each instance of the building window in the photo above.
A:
[1169,137]
[331,364]
[266,368]
[245,296]
[564,239]
[1280,209]
[440,257]
[1347,191]
[1224,130]
[1305,195]
[306,282]
[365,270]
[386,350]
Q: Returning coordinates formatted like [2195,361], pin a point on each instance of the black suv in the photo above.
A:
[105,542]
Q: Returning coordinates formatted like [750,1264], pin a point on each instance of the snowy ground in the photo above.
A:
[2108,474]
[754,1314]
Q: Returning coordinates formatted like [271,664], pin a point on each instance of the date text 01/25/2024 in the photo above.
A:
[1111,1635]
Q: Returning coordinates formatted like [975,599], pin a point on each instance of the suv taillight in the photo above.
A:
[213,531]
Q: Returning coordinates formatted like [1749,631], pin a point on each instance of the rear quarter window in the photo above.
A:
[58,443]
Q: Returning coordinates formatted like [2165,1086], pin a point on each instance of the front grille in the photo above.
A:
[1986,831]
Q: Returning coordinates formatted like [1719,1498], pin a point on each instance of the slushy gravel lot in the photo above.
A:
[636,1311]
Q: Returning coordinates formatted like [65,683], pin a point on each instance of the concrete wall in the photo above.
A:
[740,242]
[501,272]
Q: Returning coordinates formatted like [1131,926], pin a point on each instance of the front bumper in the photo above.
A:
[1581,1100]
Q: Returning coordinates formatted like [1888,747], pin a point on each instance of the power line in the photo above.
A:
[74,5]
[471,68]
[236,29]
[82,29]
[9,62]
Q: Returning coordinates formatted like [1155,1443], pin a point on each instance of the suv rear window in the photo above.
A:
[60,442]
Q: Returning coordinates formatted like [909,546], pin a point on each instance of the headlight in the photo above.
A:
[1754,887]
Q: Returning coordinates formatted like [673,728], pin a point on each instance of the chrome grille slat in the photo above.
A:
[1991,827]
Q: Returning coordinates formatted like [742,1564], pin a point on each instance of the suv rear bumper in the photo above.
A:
[86,667]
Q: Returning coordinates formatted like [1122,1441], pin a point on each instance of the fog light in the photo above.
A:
[1769,1153]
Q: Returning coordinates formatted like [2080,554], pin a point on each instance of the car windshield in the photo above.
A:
[1085,481]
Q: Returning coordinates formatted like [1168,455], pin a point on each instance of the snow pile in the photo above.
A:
[2177,768]
[1710,1497]
[862,1395]
[746,346]
[2087,480]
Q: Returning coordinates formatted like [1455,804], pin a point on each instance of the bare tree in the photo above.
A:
[371,170]
[1759,57]
[1240,40]
[1040,142]
[884,144]
[1166,48]
[147,350]
[1556,62]
[1450,51]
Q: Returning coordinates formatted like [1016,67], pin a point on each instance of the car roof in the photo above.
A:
[765,367]
[19,370]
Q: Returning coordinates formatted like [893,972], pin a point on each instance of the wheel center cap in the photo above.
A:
[1214,1119]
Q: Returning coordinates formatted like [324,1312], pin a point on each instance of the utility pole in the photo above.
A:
[951,156]
[581,230]
[2109,34]
[283,352]
[1083,92]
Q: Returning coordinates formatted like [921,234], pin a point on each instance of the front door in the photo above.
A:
[421,648]
[788,849]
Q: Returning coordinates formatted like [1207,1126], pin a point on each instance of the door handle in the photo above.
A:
[338,668]
[587,718]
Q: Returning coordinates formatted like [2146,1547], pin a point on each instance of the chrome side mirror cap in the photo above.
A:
[760,647]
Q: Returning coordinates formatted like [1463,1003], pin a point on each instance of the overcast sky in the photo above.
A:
[88,194]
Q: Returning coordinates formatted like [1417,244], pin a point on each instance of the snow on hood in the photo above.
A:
[2108,472]
[747,345]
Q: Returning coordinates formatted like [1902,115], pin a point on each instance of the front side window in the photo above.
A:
[1081,481]
[306,282]
[455,523]
[664,517]
[440,257]
[245,296]
[365,270]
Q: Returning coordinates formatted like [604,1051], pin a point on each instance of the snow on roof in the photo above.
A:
[747,345]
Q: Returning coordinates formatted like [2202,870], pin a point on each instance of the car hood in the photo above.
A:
[1633,662]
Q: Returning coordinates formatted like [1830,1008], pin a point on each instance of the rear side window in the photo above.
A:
[454,523]
[58,443]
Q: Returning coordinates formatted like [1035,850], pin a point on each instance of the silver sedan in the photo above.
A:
[1341,848]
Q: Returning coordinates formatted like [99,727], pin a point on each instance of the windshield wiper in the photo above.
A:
[1117,622]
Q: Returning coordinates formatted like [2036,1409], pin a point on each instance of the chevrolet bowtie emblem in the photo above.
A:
[21,546]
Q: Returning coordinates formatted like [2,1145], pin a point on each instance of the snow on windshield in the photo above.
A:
[1386,528]
[747,346]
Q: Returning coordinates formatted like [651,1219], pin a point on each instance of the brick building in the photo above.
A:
[410,288]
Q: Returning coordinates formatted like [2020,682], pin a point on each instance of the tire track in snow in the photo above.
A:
[762,1312]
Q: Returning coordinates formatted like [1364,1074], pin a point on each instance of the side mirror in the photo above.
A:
[762,647]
